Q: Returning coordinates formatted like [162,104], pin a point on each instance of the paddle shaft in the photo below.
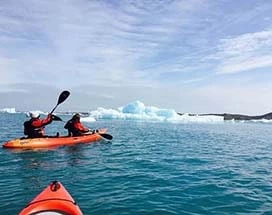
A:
[54,108]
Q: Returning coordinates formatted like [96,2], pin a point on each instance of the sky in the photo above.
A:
[196,56]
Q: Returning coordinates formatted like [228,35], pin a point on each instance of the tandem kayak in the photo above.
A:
[53,200]
[51,142]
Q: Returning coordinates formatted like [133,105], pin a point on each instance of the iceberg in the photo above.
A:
[138,111]
[8,110]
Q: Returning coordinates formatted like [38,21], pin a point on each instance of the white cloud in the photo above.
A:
[180,44]
[98,39]
[245,52]
[239,65]
[246,43]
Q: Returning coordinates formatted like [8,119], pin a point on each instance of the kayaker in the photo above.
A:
[34,127]
[75,127]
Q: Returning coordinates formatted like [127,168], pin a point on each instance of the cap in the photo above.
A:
[34,114]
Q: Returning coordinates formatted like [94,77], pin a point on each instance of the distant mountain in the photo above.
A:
[228,116]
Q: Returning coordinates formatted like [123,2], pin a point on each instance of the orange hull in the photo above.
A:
[48,142]
[55,199]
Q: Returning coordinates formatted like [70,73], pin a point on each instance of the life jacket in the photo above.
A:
[72,130]
[31,131]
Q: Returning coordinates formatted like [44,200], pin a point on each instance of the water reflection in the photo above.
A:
[74,155]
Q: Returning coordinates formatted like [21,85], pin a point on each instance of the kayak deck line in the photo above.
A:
[51,199]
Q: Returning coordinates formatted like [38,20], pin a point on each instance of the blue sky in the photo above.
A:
[193,56]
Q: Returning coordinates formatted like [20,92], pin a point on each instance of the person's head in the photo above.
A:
[76,116]
[34,114]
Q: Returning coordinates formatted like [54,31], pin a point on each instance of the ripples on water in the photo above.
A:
[148,168]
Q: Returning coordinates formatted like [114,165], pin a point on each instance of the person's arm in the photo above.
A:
[42,122]
[81,127]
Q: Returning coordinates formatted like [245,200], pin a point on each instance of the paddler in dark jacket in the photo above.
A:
[75,127]
[34,127]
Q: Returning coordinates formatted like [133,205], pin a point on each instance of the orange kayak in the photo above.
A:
[54,199]
[48,142]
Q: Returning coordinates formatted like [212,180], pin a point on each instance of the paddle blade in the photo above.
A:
[106,136]
[56,118]
[63,96]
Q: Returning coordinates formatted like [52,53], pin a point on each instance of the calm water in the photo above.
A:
[148,168]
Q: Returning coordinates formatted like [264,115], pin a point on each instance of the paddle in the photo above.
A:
[62,97]
[56,118]
[106,136]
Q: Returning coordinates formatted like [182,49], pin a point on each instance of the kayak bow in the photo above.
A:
[53,200]
[51,142]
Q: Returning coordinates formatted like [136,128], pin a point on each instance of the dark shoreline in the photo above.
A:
[228,116]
